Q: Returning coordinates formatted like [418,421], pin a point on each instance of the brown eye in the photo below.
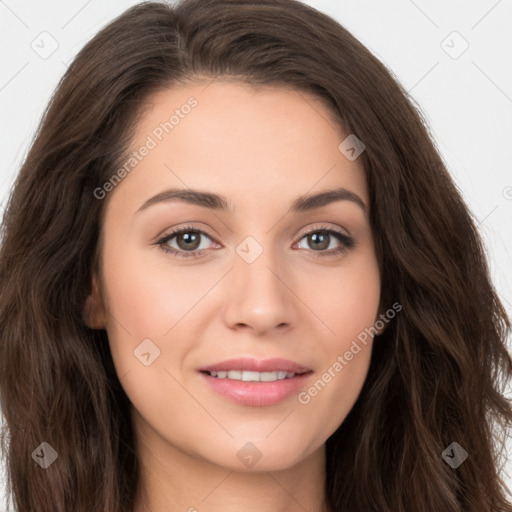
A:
[319,241]
[187,242]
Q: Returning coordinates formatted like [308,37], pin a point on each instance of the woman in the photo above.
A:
[330,340]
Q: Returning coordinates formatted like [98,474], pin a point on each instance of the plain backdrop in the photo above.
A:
[452,56]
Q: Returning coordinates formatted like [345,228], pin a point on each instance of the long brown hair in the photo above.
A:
[436,372]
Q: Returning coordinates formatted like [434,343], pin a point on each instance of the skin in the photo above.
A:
[261,149]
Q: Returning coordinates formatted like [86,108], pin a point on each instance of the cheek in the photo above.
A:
[348,309]
[148,299]
[345,299]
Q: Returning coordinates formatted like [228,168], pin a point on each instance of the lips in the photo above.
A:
[278,380]
[255,365]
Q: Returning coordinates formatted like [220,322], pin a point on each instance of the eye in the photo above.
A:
[321,239]
[188,241]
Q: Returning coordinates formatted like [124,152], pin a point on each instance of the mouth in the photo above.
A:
[249,376]
[252,382]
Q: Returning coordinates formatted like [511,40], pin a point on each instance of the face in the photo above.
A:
[250,281]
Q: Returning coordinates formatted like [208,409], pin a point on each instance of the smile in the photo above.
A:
[249,376]
[256,382]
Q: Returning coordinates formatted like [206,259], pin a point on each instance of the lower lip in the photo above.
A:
[257,394]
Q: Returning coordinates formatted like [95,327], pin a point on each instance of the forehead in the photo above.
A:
[245,142]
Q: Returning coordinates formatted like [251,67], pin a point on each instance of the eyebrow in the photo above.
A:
[220,203]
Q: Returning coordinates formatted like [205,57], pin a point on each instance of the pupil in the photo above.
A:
[316,236]
[188,238]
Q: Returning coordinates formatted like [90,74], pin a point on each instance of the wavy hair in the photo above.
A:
[437,371]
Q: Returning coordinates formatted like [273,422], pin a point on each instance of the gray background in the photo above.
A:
[453,56]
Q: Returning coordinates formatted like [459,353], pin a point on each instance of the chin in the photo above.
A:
[260,455]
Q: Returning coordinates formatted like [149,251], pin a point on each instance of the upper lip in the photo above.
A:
[255,365]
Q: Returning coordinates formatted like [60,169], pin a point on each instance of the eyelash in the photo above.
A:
[346,242]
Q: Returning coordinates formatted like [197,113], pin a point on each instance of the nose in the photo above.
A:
[260,297]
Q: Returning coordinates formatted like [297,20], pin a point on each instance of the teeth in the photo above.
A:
[248,376]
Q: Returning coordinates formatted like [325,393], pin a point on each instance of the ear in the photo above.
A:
[94,309]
